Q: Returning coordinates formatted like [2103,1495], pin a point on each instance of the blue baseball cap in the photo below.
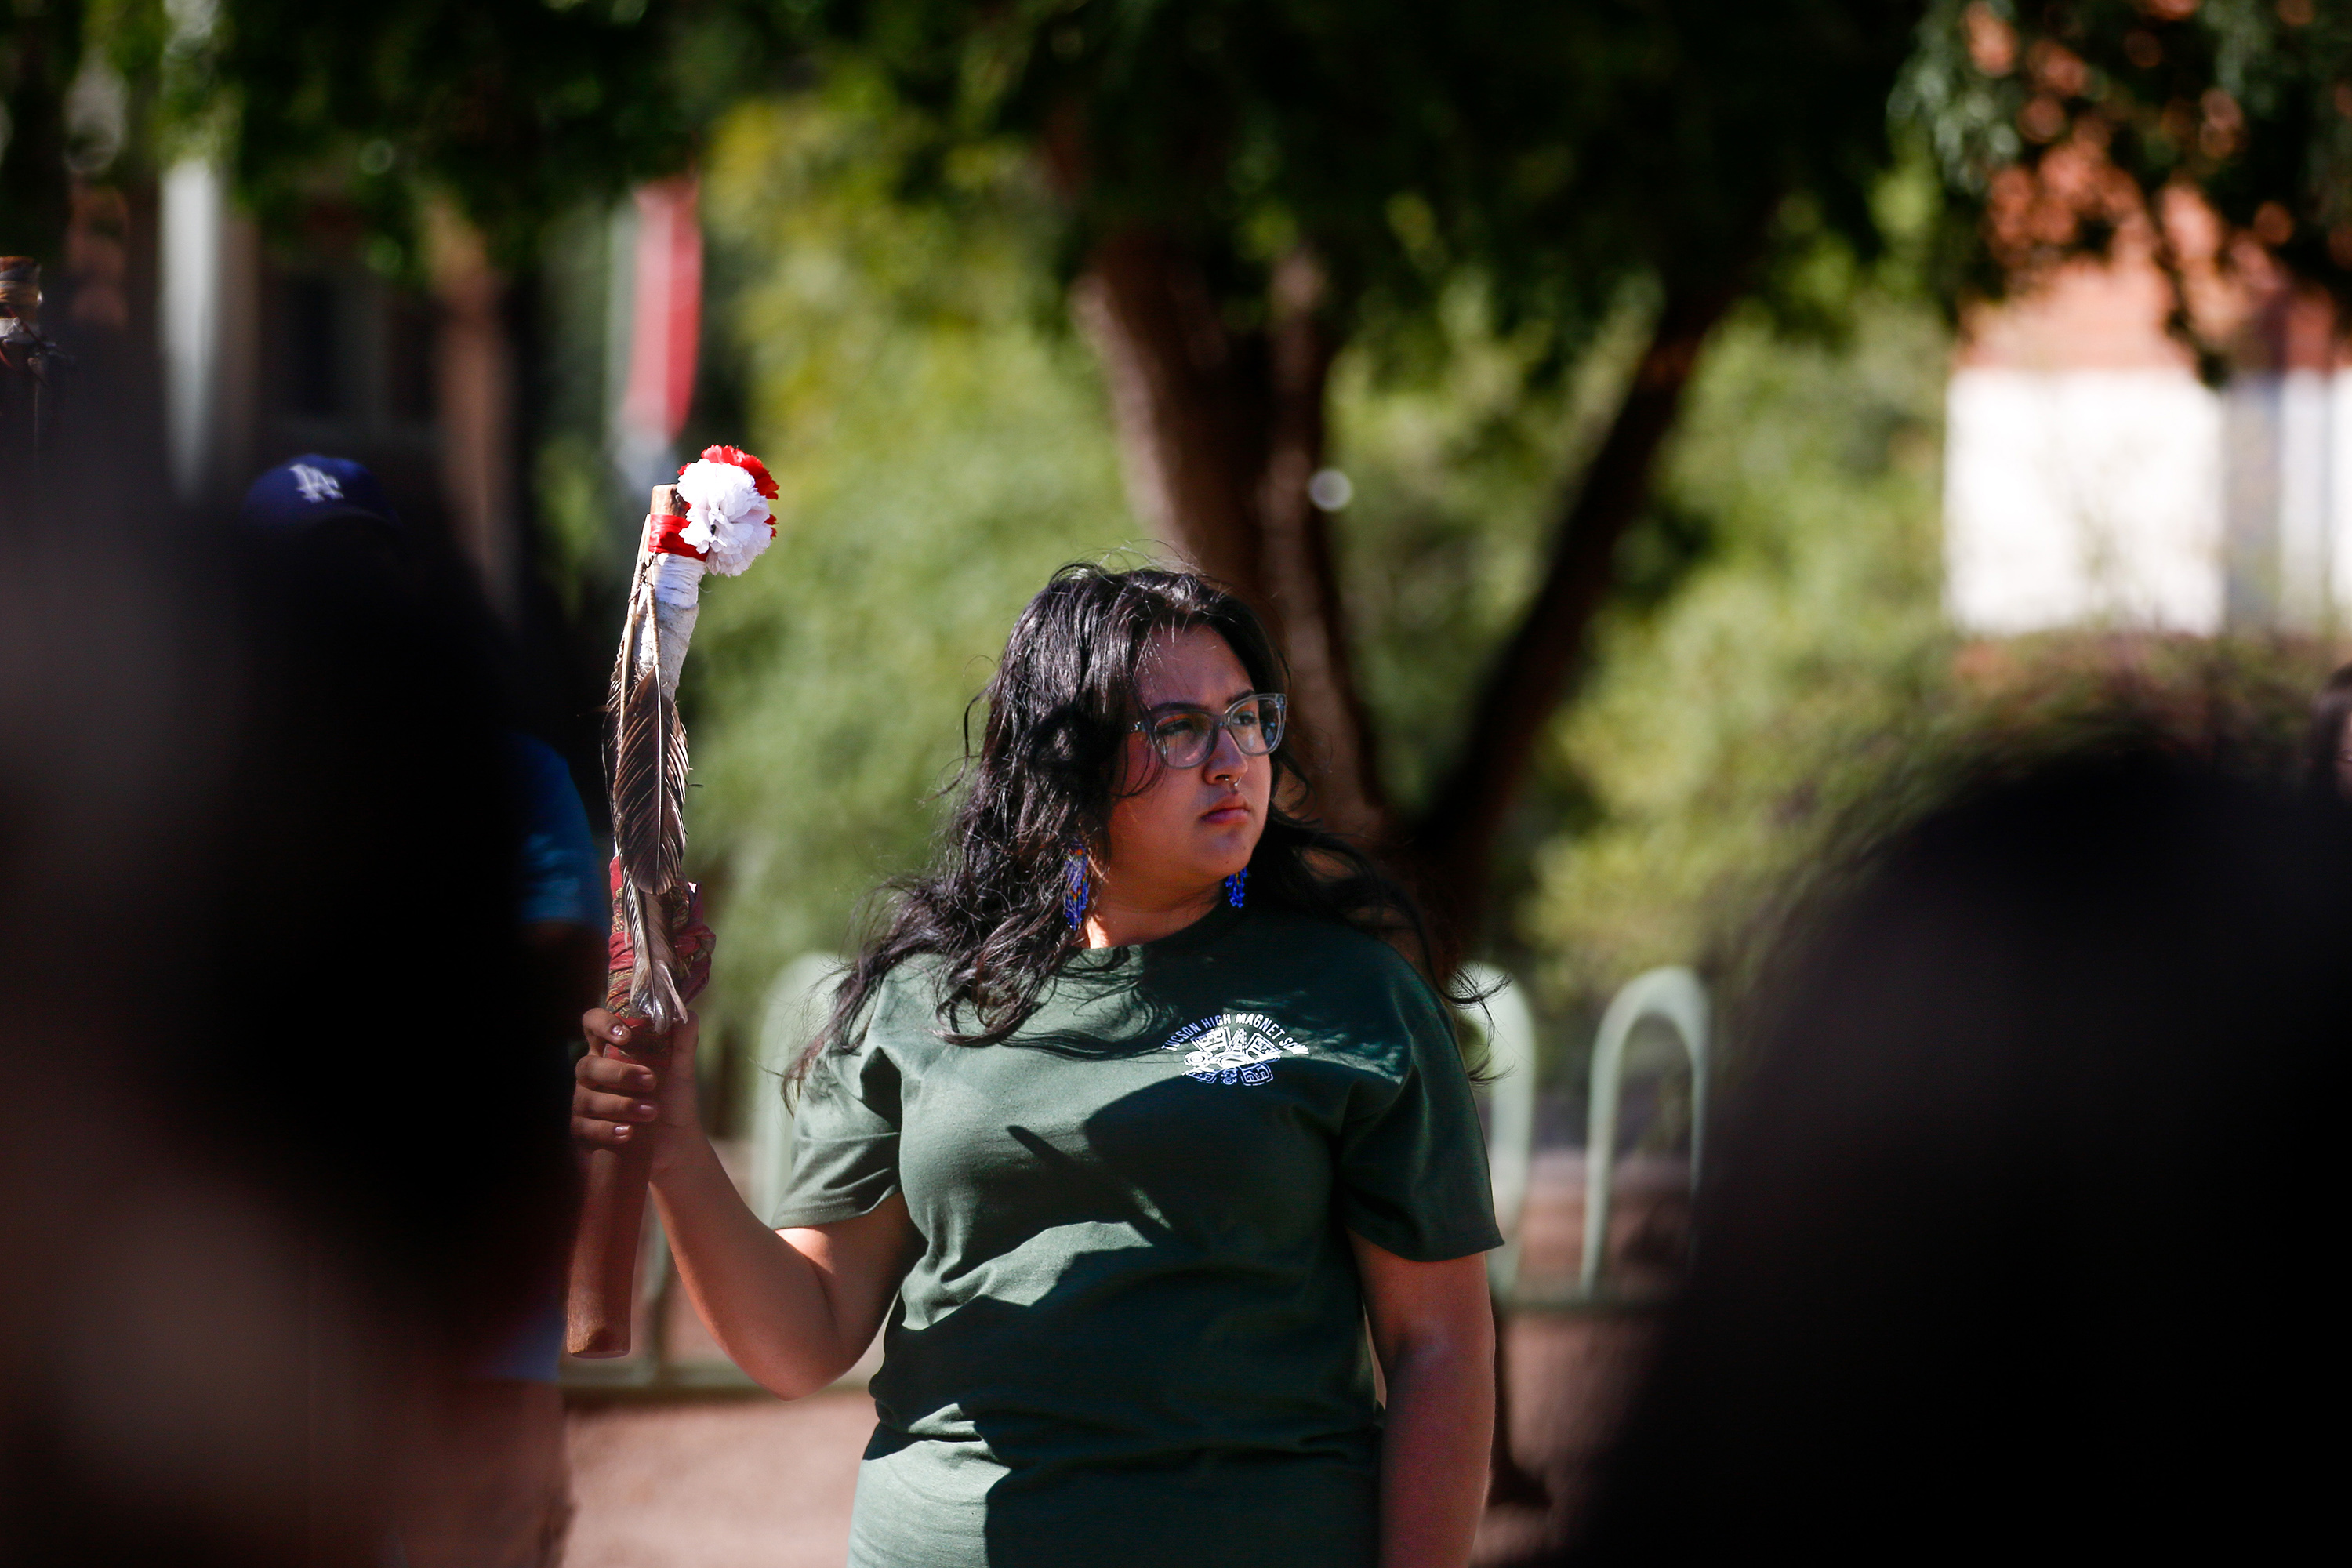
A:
[311,490]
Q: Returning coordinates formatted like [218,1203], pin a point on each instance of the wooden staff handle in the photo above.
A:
[602,1299]
[603,1285]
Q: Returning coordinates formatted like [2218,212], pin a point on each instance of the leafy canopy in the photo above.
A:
[2056,122]
[512,109]
[1555,151]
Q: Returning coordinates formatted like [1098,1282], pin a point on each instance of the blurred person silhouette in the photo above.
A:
[2012,1244]
[500,1494]
[2328,744]
[241,808]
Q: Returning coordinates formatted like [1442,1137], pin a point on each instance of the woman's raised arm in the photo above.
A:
[794,1308]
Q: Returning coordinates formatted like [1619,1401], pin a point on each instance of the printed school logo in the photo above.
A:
[1233,1047]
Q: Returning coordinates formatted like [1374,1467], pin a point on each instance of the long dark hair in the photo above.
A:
[1046,774]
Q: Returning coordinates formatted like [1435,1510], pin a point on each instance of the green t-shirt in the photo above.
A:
[1135,1332]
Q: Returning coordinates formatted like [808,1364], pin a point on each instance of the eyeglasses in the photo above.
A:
[1185,736]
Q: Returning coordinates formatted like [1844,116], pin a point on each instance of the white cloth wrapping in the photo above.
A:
[676,585]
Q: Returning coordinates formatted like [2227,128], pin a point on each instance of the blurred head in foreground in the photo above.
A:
[246,869]
[2019,1229]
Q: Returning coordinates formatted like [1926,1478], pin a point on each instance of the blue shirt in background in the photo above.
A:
[562,875]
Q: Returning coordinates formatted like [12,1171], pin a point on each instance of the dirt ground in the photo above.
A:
[716,1483]
[750,1482]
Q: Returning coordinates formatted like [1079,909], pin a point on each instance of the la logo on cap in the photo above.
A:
[316,484]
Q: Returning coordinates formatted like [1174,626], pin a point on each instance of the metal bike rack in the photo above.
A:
[1674,995]
[1510,1036]
[1677,997]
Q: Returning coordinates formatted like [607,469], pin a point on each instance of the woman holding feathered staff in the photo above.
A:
[1127,1120]
[715,519]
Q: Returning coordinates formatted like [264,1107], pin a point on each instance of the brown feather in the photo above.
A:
[646,765]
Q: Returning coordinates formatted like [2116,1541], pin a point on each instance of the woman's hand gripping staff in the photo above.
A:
[715,519]
[794,1308]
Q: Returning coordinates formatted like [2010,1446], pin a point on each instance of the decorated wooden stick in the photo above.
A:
[715,519]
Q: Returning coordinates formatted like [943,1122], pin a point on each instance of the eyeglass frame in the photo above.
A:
[1218,723]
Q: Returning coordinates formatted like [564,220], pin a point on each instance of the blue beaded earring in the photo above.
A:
[1236,886]
[1077,888]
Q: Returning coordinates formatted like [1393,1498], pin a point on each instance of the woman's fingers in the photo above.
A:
[613,1102]
[601,1029]
[633,1036]
[612,1107]
[610,1135]
[615,1075]
[613,1096]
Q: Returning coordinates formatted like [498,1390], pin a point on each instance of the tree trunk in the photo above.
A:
[1220,433]
[1454,840]
[476,404]
[1298,574]
[1187,447]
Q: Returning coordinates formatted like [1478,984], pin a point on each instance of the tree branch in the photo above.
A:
[1221,434]
[1300,576]
[1454,839]
[1191,459]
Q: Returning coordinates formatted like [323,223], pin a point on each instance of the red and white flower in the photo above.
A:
[727,492]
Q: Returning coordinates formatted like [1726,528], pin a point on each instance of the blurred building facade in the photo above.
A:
[2092,477]
[272,346]
[271,349]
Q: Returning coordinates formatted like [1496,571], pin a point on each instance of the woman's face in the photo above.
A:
[1180,831]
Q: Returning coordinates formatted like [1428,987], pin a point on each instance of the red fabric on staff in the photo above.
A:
[667,540]
[690,938]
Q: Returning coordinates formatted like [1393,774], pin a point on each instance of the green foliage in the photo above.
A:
[1784,687]
[1802,696]
[512,109]
[941,450]
[941,447]
[1791,609]
[1458,468]
[2248,101]
[826,694]
[1719,730]
[1456,465]
[1546,154]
